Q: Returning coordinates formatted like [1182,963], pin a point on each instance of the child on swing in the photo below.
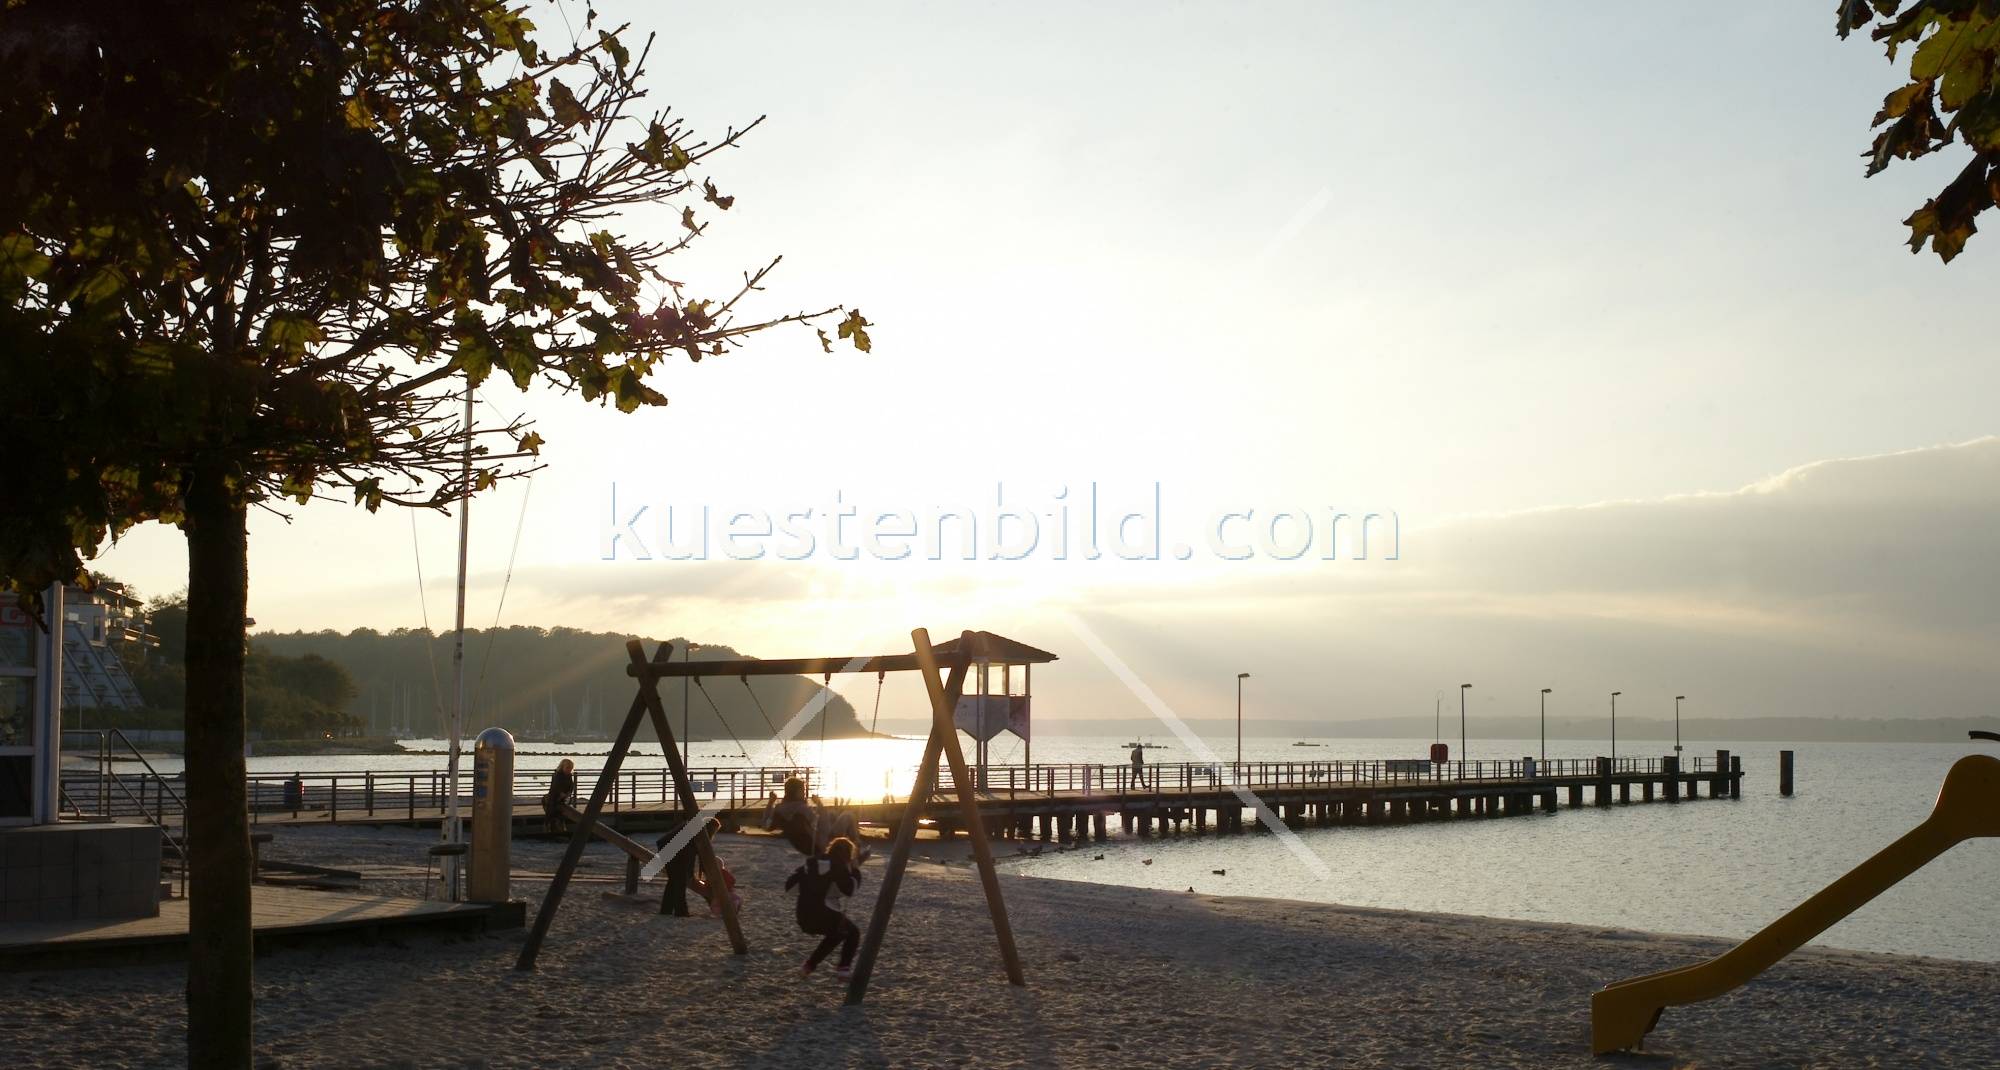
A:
[807,826]
[824,883]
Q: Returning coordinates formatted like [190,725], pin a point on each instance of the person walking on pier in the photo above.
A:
[1138,765]
[824,883]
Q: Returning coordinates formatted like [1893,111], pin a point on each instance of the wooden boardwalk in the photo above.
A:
[279,915]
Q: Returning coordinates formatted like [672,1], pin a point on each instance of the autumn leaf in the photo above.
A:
[854,328]
[687,219]
[825,343]
[564,104]
[615,47]
[531,443]
[712,196]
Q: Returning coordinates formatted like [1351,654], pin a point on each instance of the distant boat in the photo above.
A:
[1303,743]
[1145,746]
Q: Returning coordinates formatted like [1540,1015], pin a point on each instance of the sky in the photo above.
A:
[1593,300]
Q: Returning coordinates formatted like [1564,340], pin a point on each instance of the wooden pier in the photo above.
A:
[1064,802]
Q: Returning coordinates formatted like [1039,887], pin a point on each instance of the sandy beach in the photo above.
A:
[1117,977]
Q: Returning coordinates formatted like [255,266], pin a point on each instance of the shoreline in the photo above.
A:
[1117,976]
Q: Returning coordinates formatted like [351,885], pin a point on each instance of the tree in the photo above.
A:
[260,254]
[1952,95]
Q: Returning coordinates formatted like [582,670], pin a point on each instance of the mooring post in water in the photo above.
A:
[1785,773]
[1671,766]
[1735,777]
[1719,786]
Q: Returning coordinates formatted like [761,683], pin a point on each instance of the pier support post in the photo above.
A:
[1097,822]
[1604,782]
[1735,777]
[1625,793]
[1575,796]
[1716,786]
[1549,801]
[1671,766]
[1648,792]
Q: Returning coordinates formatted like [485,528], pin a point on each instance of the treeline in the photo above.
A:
[546,680]
[284,697]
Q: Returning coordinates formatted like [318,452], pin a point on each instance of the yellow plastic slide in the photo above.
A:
[1968,805]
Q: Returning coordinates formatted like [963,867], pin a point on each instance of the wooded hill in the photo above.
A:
[534,680]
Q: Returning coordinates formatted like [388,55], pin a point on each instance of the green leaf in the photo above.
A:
[1939,50]
[20,261]
[290,333]
[1897,103]
[357,114]
[1963,81]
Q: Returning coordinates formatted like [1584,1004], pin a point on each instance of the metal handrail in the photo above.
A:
[405,791]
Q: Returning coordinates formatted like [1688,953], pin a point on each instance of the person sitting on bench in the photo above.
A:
[562,792]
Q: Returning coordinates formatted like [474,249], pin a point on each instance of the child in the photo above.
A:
[701,887]
[823,883]
[680,874]
[808,826]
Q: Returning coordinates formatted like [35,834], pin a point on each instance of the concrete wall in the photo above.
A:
[73,872]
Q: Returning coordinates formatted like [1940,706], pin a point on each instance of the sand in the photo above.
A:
[1117,977]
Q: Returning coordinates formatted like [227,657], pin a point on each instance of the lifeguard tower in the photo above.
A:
[999,679]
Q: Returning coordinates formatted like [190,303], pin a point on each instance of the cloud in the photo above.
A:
[1856,587]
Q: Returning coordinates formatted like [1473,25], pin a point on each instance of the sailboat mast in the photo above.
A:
[451,821]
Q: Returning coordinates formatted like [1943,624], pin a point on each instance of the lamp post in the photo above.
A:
[1614,729]
[1677,724]
[1545,724]
[687,740]
[1240,677]
[1462,689]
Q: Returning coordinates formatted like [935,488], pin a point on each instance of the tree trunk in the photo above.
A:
[218,822]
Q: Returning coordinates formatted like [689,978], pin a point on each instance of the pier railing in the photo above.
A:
[1112,778]
[411,794]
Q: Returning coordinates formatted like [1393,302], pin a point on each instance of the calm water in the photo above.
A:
[1714,867]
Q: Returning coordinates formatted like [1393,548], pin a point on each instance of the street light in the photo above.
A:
[1614,728]
[1677,724]
[1545,724]
[687,738]
[1462,689]
[1240,677]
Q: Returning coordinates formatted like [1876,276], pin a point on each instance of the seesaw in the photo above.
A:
[1968,806]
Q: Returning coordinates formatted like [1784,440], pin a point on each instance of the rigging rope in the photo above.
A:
[430,653]
[699,686]
[479,687]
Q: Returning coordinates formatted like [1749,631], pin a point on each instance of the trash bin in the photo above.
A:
[295,794]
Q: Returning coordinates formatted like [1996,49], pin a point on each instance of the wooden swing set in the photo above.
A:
[944,692]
